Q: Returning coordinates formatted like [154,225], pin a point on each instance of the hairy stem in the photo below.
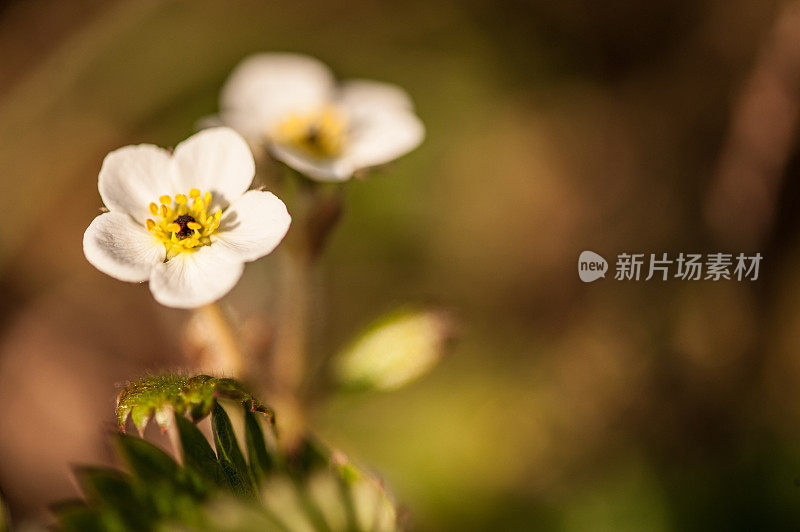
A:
[291,341]
[221,351]
[290,350]
[315,213]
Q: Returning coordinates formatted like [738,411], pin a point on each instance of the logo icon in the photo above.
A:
[591,266]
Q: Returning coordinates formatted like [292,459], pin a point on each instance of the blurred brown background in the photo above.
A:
[554,126]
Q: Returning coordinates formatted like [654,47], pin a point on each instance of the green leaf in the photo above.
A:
[373,508]
[113,490]
[198,456]
[229,454]
[229,514]
[394,351]
[259,458]
[312,487]
[82,520]
[156,397]
[171,488]
[147,462]
[76,516]
[310,455]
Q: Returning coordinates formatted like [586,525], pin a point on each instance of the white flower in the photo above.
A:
[325,130]
[184,221]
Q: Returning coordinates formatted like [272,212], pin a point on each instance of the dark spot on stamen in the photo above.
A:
[183,221]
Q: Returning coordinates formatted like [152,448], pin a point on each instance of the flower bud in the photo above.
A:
[395,350]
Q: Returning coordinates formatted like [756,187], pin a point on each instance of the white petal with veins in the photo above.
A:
[120,247]
[191,280]
[253,225]
[133,176]
[216,160]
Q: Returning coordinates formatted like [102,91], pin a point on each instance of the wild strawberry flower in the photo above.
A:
[292,104]
[184,221]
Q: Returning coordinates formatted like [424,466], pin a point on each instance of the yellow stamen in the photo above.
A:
[321,134]
[183,228]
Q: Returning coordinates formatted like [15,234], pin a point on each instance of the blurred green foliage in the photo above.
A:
[257,486]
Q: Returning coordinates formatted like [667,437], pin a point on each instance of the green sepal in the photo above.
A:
[156,397]
[198,393]
[140,415]
[142,398]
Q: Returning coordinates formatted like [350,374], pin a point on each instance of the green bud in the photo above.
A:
[395,350]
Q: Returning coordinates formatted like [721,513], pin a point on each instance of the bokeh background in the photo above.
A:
[554,126]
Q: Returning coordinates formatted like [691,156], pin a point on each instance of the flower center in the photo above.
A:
[320,134]
[180,226]
[183,221]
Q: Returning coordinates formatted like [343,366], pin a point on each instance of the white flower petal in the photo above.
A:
[118,246]
[216,160]
[263,89]
[253,225]
[358,94]
[335,169]
[133,176]
[191,280]
[382,135]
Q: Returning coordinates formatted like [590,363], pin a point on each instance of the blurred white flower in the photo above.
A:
[325,130]
[184,221]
